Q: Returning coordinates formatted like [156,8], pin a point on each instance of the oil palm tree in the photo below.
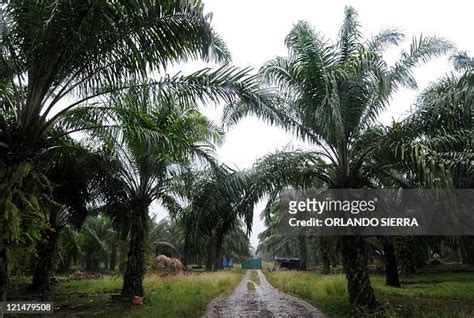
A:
[331,95]
[68,250]
[443,120]
[215,209]
[166,237]
[92,241]
[73,177]
[236,244]
[272,241]
[151,139]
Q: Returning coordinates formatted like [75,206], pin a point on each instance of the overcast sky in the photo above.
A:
[254,31]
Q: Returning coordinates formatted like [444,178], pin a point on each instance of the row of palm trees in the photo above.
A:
[94,70]
[84,67]
[96,246]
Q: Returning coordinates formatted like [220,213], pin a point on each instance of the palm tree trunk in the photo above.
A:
[218,257]
[44,263]
[89,261]
[405,255]
[209,258]
[323,247]
[354,259]
[65,266]
[135,271]
[303,251]
[3,273]
[16,171]
[391,268]
[185,256]
[467,249]
[7,185]
[113,257]
[218,251]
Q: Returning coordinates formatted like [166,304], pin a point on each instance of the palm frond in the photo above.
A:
[349,35]
[422,49]
[385,39]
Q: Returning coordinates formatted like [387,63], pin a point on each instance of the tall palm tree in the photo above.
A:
[215,209]
[443,120]
[151,139]
[273,240]
[331,95]
[93,241]
[236,244]
[71,173]
[68,250]
[276,243]
[166,236]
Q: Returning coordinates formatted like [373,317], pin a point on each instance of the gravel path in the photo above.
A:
[262,301]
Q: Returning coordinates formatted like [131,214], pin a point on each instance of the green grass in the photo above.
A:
[430,294]
[105,284]
[267,265]
[425,295]
[254,277]
[185,296]
[250,286]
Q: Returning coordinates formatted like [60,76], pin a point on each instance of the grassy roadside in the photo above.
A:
[425,295]
[185,296]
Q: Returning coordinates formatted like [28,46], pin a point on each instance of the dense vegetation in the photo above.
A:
[93,132]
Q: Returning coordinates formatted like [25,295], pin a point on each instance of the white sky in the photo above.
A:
[254,31]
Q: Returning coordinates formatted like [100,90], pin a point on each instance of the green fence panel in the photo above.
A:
[252,263]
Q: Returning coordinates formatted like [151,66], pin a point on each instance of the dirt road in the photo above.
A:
[259,299]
